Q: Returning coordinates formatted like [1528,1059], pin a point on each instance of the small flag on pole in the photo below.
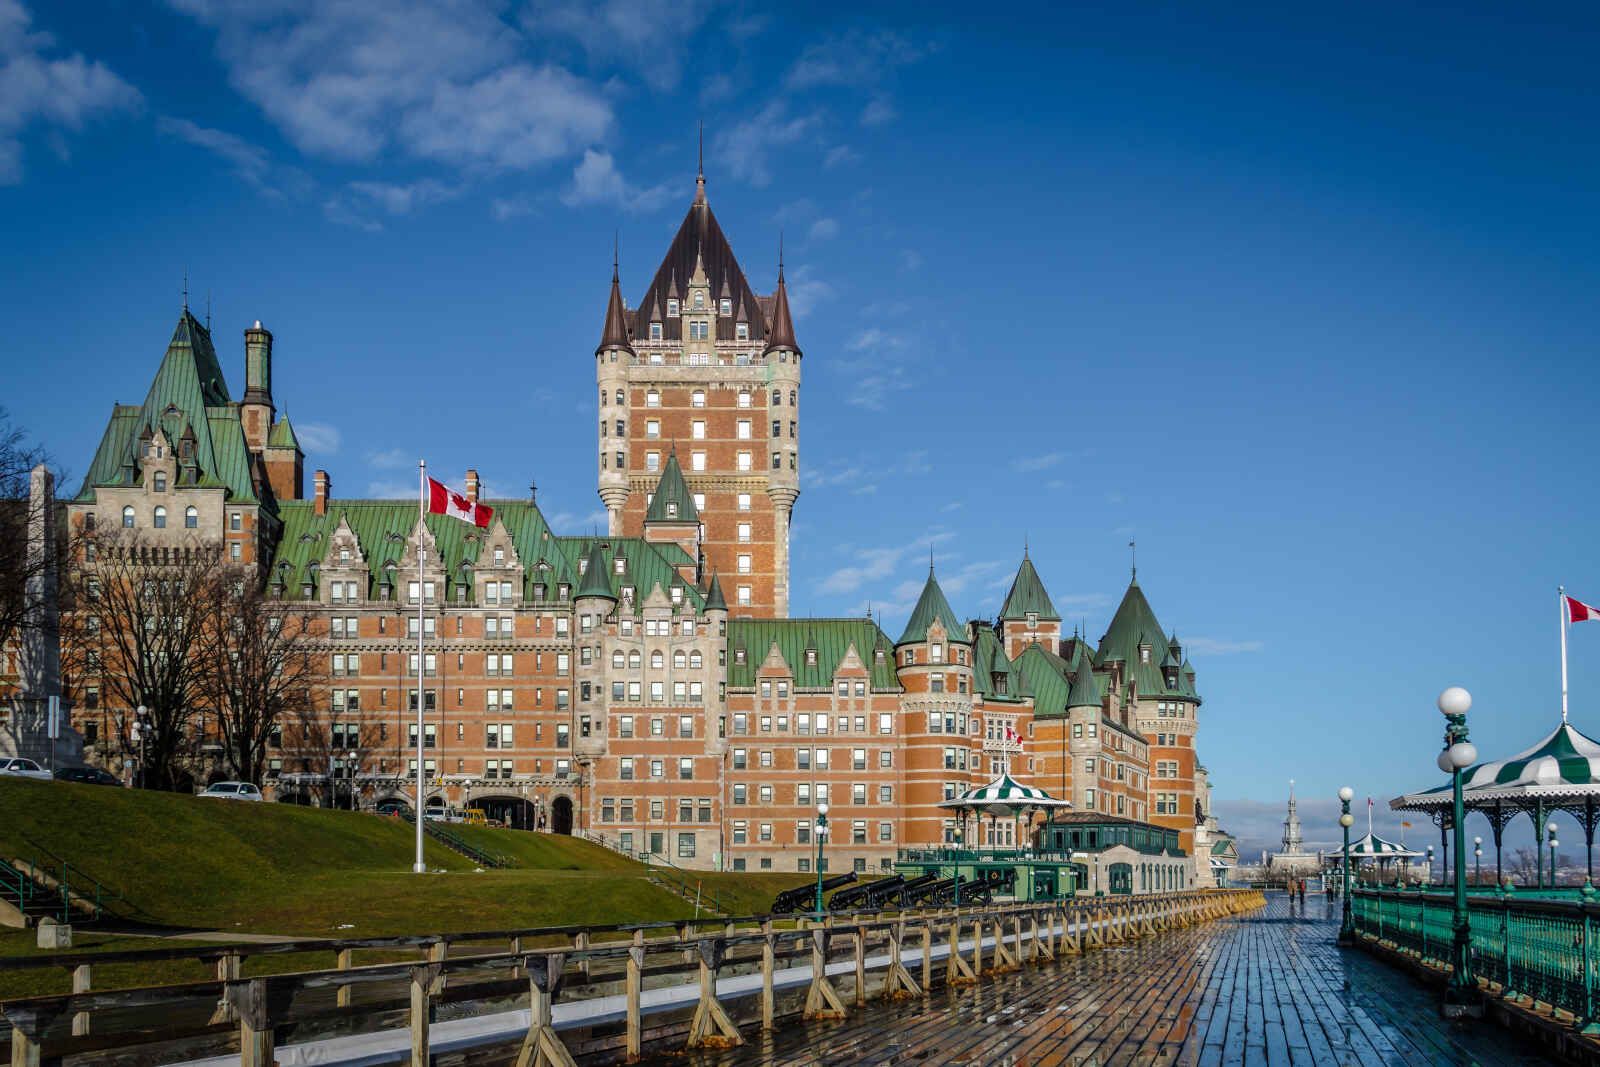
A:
[1578,611]
[442,500]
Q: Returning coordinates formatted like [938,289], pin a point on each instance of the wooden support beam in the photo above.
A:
[897,981]
[711,1026]
[769,952]
[1003,959]
[247,1002]
[423,978]
[957,970]
[635,988]
[822,1000]
[541,1047]
[344,962]
[82,982]
[861,967]
[437,953]
[927,955]
[580,941]
[229,965]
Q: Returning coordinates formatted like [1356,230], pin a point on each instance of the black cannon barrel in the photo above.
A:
[907,891]
[802,896]
[869,894]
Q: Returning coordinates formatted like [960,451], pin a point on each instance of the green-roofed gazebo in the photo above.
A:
[1560,773]
[1004,797]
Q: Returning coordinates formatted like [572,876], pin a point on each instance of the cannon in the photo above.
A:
[982,890]
[932,893]
[803,897]
[907,891]
[875,894]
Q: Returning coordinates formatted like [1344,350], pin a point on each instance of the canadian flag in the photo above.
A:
[1011,735]
[1578,611]
[443,500]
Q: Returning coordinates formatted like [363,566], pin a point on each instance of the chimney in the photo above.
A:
[322,487]
[258,365]
[472,485]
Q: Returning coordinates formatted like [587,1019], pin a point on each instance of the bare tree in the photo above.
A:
[1523,866]
[140,619]
[260,665]
[335,747]
[18,568]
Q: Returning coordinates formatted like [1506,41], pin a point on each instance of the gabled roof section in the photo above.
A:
[700,238]
[1046,676]
[988,660]
[596,576]
[932,605]
[282,435]
[1133,623]
[672,501]
[831,639]
[1028,595]
[646,565]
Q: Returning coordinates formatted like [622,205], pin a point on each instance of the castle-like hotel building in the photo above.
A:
[648,685]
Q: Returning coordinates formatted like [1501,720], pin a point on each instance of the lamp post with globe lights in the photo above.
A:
[1461,997]
[822,833]
[1550,833]
[1347,926]
[1477,861]
[1428,880]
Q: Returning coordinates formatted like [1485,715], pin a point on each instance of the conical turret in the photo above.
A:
[781,335]
[596,582]
[615,333]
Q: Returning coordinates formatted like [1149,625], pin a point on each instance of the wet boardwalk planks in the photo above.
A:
[1268,988]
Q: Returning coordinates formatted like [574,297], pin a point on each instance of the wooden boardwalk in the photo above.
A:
[1265,988]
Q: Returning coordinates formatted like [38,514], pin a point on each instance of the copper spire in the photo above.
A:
[615,334]
[781,333]
[700,169]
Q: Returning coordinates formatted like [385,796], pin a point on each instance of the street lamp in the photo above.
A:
[822,833]
[956,867]
[350,768]
[1429,879]
[1550,832]
[1477,861]
[142,732]
[1347,926]
[1461,997]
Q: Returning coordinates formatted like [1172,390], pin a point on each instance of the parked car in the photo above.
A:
[86,775]
[21,767]
[233,791]
[445,815]
[393,808]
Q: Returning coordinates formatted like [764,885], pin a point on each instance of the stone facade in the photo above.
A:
[646,685]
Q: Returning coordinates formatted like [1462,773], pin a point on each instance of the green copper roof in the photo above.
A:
[988,660]
[282,435]
[645,565]
[1045,674]
[382,528]
[1028,596]
[1085,692]
[932,605]
[1134,622]
[188,398]
[672,501]
[715,601]
[750,640]
[596,580]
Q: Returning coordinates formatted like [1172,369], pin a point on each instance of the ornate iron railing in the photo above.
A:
[1540,948]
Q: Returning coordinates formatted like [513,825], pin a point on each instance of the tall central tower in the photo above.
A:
[705,369]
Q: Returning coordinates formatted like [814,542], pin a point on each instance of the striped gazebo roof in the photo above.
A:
[1563,767]
[1373,847]
[1005,795]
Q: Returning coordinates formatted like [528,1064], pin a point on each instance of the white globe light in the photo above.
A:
[1554,843]
[822,809]
[1347,794]
[1463,754]
[1477,840]
[1347,820]
[1455,701]
[1551,826]
[1444,761]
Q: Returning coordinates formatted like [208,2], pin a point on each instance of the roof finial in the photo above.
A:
[780,256]
[700,167]
[616,247]
[1024,546]
[1133,552]
[208,323]
[185,288]
[930,559]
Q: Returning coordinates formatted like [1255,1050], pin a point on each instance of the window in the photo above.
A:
[744,563]
[160,518]
[191,517]
[235,521]
[686,767]
[697,429]
[652,427]
[655,335]
[652,461]
[777,427]
[697,399]
[652,398]
[742,331]
[744,430]
[686,846]
[672,307]
[697,461]
[743,461]
[744,596]
[777,460]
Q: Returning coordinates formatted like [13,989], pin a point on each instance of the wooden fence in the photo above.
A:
[599,975]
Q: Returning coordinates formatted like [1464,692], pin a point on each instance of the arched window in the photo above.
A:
[161,518]
[604,396]
[656,660]
[191,517]
[161,481]
[617,659]
[633,659]
[694,660]
[127,517]
[792,395]
[619,396]
[679,659]
[777,397]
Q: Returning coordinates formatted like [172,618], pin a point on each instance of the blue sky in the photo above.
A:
[1302,302]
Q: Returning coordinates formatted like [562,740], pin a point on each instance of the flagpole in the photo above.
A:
[1561,611]
[419,867]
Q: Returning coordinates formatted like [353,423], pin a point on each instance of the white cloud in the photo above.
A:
[403,199]
[319,437]
[389,458]
[60,93]
[649,36]
[1219,646]
[805,291]
[871,564]
[596,180]
[574,524]
[745,148]
[873,390]
[823,230]
[445,82]
[381,490]
[503,208]
[1037,463]
[879,111]
[839,155]
[250,161]
[855,58]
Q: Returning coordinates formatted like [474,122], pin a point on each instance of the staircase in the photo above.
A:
[686,885]
[63,893]
[482,857]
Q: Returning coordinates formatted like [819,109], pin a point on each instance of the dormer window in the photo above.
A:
[677,594]
[742,331]
[344,555]
[936,653]
[672,509]
[1144,654]
[563,591]
[725,307]
[161,481]
[699,300]
[583,567]
[738,656]
[655,331]
[811,657]
[1033,620]
[877,657]
[499,557]
[621,564]
[672,308]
